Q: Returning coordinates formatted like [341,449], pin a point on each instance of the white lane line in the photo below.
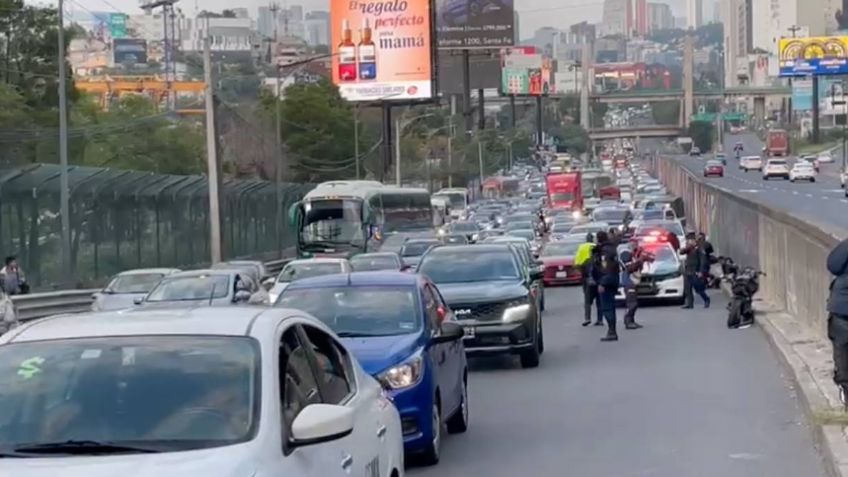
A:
[751,191]
[794,192]
[809,195]
[844,200]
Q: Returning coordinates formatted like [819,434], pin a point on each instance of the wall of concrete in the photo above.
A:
[791,252]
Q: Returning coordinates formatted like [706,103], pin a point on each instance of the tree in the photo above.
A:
[666,112]
[701,133]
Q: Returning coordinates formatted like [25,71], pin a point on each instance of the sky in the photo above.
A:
[533,14]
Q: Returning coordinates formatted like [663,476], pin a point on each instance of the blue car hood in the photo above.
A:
[378,353]
[474,292]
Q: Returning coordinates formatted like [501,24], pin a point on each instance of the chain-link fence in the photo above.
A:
[124,219]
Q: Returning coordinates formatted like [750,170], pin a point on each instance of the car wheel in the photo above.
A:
[530,358]
[433,453]
[541,340]
[813,179]
[791,180]
[458,423]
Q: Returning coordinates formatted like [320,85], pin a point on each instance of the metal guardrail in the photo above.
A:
[40,305]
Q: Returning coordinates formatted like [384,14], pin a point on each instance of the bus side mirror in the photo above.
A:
[294,211]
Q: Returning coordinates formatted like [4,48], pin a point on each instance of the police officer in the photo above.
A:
[605,272]
[632,259]
[694,267]
[583,260]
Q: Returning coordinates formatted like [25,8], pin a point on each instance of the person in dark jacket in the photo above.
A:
[632,259]
[837,319]
[605,272]
[583,259]
[695,267]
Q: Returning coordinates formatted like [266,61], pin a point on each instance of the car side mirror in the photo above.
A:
[319,423]
[449,332]
[138,300]
[242,296]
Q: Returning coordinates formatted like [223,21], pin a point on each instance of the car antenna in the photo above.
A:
[212,295]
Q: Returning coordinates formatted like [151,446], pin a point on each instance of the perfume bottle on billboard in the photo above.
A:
[367,53]
[347,54]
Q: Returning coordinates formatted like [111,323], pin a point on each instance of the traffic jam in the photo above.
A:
[354,358]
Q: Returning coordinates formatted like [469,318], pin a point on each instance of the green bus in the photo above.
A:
[344,218]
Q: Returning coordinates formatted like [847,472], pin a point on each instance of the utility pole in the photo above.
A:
[794,29]
[215,245]
[356,139]
[480,157]
[278,142]
[450,140]
[397,152]
[64,192]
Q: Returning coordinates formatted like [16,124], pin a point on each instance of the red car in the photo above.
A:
[713,168]
[558,260]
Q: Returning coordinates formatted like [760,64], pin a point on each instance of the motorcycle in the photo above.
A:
[744,284]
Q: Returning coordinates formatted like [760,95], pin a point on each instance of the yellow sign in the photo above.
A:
[818,55]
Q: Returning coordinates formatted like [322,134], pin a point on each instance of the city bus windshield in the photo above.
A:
[457,199]
[332,222]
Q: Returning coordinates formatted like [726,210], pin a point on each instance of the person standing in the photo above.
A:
[583,260]
[605,271]
[12,277]
[693,269]
[837,319]
[632,259]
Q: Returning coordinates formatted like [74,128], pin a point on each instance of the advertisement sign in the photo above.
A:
[382,50]
[118,25]
[129,51]
[485,72]
[567,82]
[467,24]
[525,74]
[830,89]
[819,55]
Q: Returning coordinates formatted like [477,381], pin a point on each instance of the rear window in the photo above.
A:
[777,162]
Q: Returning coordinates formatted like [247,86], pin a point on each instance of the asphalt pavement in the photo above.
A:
[822,202]
[683,397]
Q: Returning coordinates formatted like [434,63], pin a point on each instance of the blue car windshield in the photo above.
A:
[358,311]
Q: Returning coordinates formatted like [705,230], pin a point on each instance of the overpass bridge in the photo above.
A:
[642,96]
[600,134]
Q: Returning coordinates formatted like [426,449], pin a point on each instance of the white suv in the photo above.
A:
[751,163]
[776,168]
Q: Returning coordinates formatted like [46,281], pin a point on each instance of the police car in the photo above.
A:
[213,391]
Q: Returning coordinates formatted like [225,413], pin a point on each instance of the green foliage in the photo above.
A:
[666,112]
[701,133]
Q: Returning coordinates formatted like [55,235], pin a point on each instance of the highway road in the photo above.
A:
[683,397]
[822,202]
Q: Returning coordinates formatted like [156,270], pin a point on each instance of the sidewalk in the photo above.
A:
[807,353]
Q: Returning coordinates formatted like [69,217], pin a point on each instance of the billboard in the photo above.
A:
[382,50]
[129,51]
[485,72]
[525,72]
[830,89]
[819,55]
[467,24]
[118,25]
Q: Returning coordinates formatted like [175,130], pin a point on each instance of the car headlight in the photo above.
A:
[442,231]
[474,237]
[576,214]
[517,310]
[403,375]
[500,220]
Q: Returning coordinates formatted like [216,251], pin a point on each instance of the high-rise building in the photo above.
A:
[733,16]
[774,18]
[317,26]
[614,19]
[694,13]
[660,17]
[241,12]
[515,29]
[641,14]
[265,22]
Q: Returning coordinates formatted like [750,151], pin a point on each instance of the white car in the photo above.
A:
[751,163]
[843,179]
[802,171]
[776,168]
[662,279]
[217,392]
[825,157]
[306,268]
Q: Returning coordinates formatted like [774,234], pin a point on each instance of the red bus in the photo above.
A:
[565,191]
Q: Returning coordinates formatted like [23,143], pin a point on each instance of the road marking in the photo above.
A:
[824,197]
[844,200]
[833,190]
[752,191]
[809,195]
[794,192]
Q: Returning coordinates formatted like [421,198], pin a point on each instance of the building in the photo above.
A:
[694,13]
[317,28]
[240,12]
[151,27]
[614,17]
[544,39]
[265,22]
[227,34]
[733,16]
[516,20]
[660,17]
[680,22]
[814,17]
[640,9]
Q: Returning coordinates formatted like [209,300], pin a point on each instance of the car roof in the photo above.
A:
[375,254]
[201,320]
[422,240]
[205,271]
[146,271]
[493,246]
[335,260]
[370,278]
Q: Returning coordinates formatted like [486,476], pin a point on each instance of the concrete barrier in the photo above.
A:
[790,251]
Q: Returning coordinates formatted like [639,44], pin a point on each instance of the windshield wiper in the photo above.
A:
[83,447]
[358,334]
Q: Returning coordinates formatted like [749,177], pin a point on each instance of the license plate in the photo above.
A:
[645,289]
[561,274]
[470,332]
